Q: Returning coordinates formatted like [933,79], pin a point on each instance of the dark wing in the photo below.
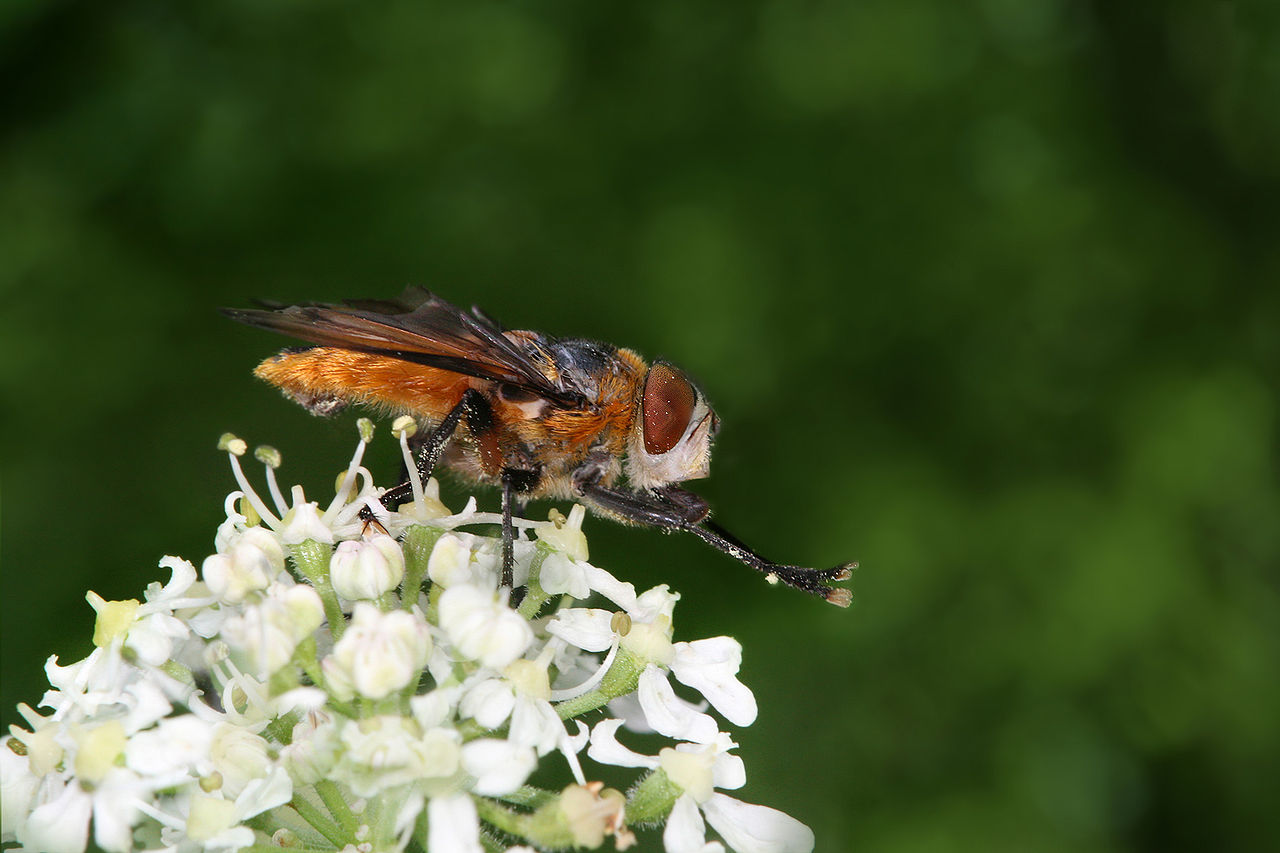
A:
[422,328]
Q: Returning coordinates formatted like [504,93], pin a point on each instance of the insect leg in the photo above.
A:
[515,482]
[508,534]
[680,512]
[476,409]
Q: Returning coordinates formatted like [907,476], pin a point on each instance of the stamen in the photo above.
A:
[340,499]
[575,766]
[234,448]
[590,683]
[403,428]
[349,510]
[271,459]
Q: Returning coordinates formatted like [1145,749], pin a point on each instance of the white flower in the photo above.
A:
[209,704]
[312,750]
[709,666]
[565,535]
[686,832]
[366,570]
[697,770]
[379,654]
[450,562]
[481,626]
[387,751]
[214,823]
[239,756]
[498,766]
[171,750]
[269,631]
[251,561]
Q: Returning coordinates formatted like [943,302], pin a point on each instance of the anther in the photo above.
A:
[228,443]
[268,456]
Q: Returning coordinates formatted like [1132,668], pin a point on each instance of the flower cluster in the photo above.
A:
[352,678]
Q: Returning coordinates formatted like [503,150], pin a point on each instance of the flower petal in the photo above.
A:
[747,828]
[670,715]
[685,831]
[606,749]
[60,825]
[586,628]
[499,766]
[453,825]
[711,668]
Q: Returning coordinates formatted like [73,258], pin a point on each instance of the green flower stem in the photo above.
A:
[337,805]
[529,797]
[312,559]
[495,814]
[433,603]
[545,828]
[271,848]
[534,596]
[307,657]
[320,821]
[418,543]
[620,680]
[652,799]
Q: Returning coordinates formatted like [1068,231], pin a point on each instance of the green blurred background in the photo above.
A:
[984,293]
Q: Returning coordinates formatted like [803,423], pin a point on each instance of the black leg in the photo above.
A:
[508,534]
[676,509]
[475,408]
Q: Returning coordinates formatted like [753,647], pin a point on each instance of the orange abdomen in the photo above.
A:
[330,373]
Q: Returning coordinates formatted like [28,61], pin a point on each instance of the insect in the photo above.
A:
[536,416]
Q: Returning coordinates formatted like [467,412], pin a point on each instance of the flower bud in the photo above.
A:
[482,627]
[240,756]
[450,561]
[366,570]
[250,564]
[269,631]
[379,654]
[313,750]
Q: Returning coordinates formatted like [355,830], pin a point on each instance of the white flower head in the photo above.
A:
[418,720]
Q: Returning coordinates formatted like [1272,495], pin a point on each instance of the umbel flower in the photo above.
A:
[332,682]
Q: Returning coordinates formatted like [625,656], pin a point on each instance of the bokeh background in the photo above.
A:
[985,294]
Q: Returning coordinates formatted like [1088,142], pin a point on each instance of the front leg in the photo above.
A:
[676,509]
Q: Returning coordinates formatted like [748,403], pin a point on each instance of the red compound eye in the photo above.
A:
[668,404]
